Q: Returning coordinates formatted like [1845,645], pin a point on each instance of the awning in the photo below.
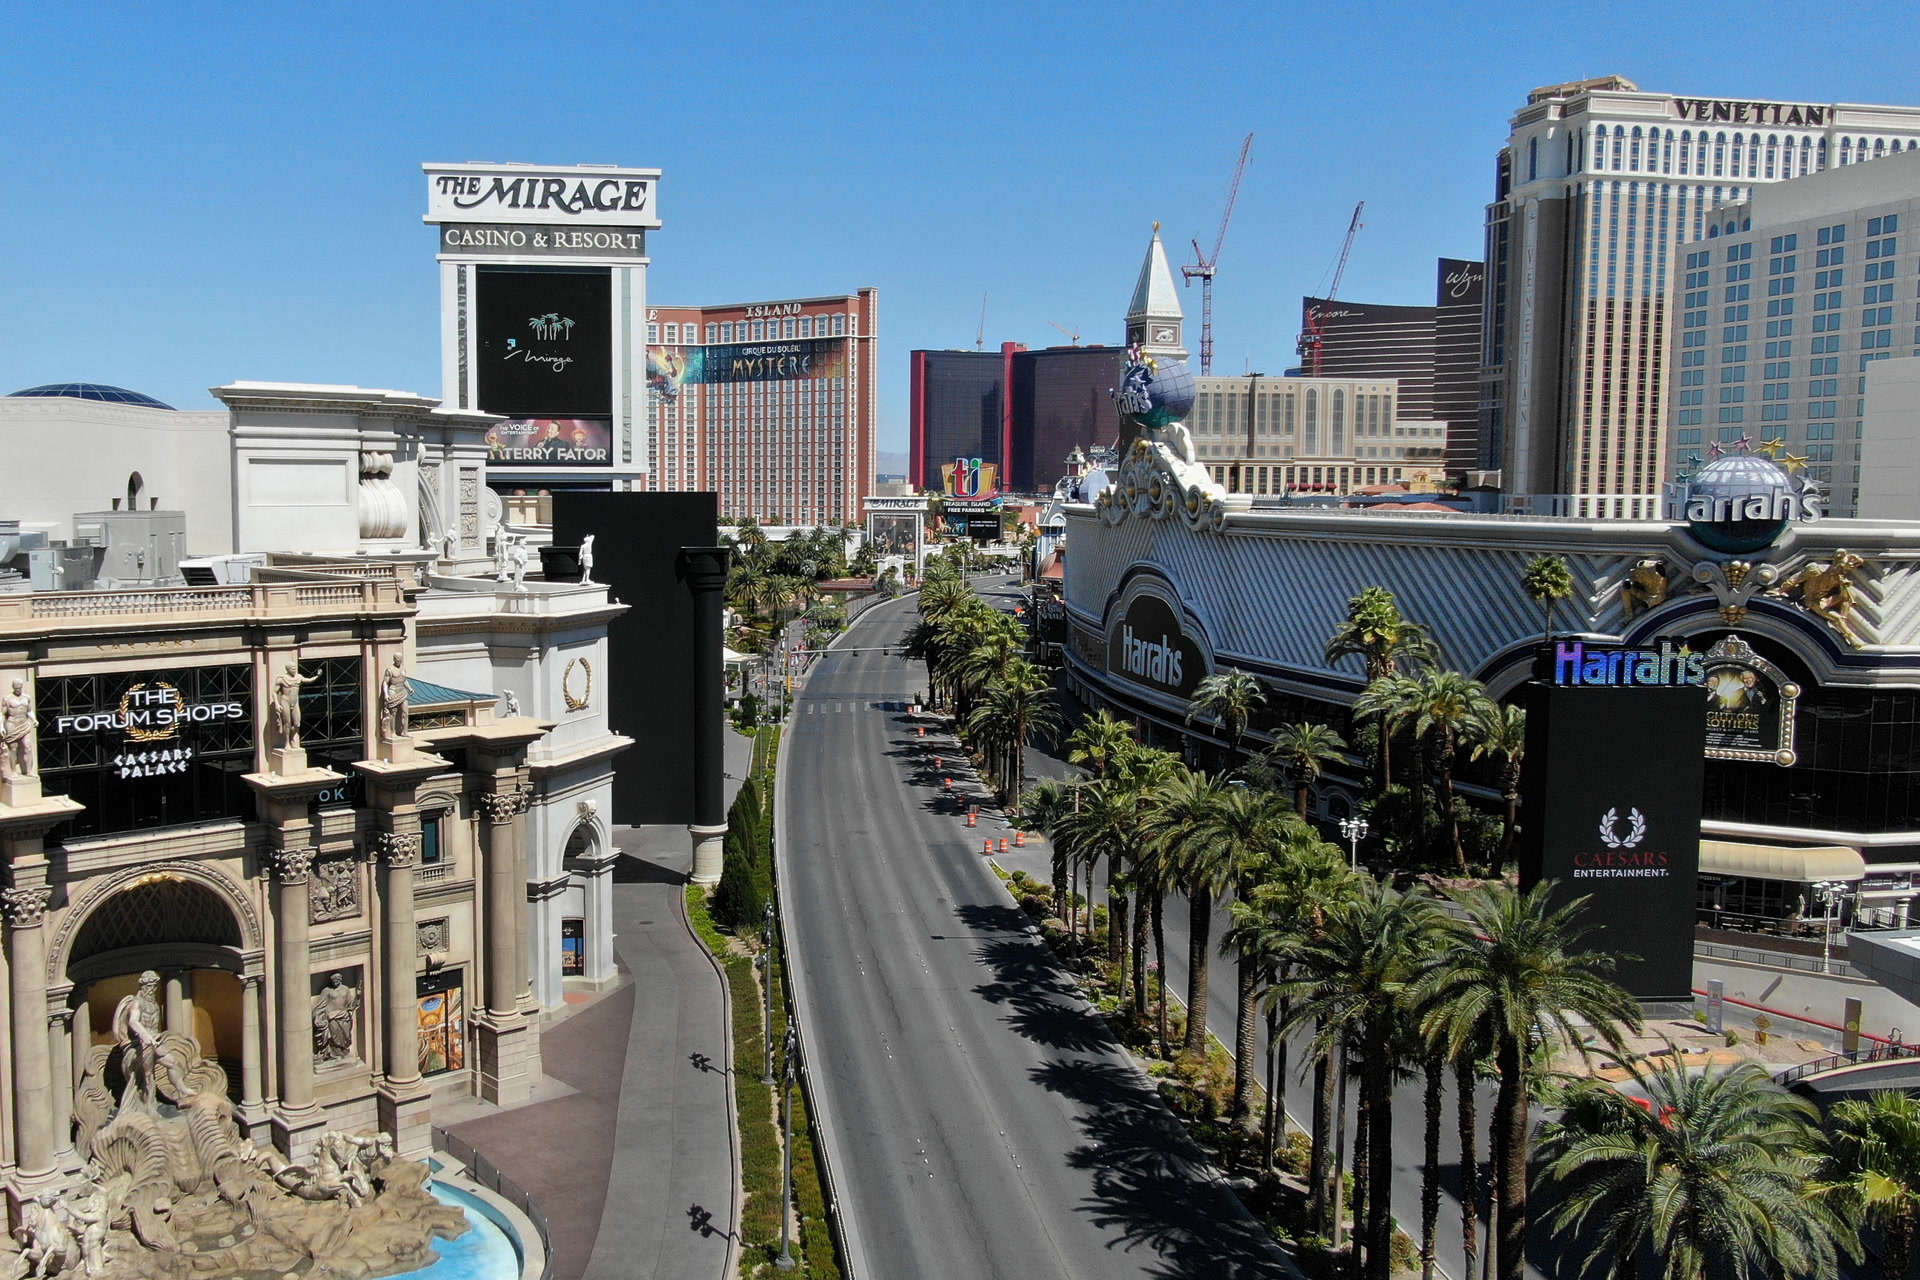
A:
[1769,862]
[729,658]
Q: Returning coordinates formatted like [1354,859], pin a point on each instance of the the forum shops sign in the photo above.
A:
[1148,646]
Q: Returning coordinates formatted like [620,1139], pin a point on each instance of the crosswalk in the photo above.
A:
[826,707]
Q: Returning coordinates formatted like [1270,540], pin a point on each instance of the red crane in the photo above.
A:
[1202,267]
[1310,336]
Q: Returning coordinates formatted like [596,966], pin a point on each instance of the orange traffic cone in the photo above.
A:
[1019,839]
[973,819]
[923,731]
[989,849]
[1003,844]
[947,783]
[939,762]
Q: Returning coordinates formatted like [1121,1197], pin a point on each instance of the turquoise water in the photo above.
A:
[485,1252]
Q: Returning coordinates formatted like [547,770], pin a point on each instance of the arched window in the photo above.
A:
[1719,155]
[1879,147]
[1846,151]
[1686,145]
[1739,143]
[1339,421]
[1600,147]
[1634,163]
[1619,147]
[1822,164]
[1773,153]
[1313,421]
[1666,152]
[1533,158]
[806,326]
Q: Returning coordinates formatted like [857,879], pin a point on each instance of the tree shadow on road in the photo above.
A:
[1043,1003]
[1151,1184]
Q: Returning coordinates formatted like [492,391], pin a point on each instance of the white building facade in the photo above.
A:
[1263,435]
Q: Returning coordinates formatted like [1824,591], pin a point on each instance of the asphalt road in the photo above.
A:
[980,1120]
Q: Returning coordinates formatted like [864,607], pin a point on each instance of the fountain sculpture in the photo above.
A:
[172,1190]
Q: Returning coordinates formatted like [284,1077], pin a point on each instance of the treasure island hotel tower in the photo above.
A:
[1599,190]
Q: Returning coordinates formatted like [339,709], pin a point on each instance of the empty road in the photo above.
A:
[980,1118]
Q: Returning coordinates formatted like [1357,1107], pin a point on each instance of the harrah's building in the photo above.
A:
[1597,187]
[770,404]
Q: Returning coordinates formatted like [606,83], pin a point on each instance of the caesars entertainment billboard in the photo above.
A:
[543,354]
[1616,747]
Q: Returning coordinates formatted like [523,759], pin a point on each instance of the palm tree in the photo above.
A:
[1228,699]
[1180,840]
[1304,749]
[1389,701]
[1450,706]
[1018,706]
[1548,580]
[1355,975]
[1501,732]
[1048,806]
[1709,1174]
[1874,1170]
[1513,973]
[1100,738]
[1374,632]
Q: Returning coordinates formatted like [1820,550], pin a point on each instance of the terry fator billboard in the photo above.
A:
[1611,799]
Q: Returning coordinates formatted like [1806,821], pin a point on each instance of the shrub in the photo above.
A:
[739,902]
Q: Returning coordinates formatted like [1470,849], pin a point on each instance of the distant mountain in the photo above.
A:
[889,463]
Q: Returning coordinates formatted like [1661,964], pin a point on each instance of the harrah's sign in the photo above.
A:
[1156,660]
[1583,664]
[587,195]
[1728,111]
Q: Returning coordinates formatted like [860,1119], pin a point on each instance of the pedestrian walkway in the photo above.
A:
[629,1147]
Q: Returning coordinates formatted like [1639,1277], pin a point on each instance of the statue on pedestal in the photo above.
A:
[393,701]
[16,733]
[286,704]
[586,559]
[335,1010]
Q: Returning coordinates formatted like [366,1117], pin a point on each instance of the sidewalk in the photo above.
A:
[629,1146]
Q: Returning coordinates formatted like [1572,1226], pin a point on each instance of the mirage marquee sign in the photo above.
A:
[580,195]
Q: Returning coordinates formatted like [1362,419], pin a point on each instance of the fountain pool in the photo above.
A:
[486,1252]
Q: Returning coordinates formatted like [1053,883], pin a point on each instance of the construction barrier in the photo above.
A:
[923,731]
[1003,844]
[988,848]
[973,819]
[1019,839]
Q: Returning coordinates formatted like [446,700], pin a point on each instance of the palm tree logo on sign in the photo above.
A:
[550,327]
[1609,829]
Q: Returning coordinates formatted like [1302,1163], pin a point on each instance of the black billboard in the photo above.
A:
[1611,801]
[650,689]
[1148,646]
[543,345]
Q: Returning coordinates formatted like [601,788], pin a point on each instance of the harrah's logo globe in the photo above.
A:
[1743,502]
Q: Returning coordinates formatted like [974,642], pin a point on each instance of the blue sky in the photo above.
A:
[198,193]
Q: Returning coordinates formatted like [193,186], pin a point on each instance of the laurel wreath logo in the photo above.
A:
[1636,829]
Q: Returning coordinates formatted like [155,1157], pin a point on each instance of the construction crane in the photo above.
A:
[1203,266]
[1311,336]
[1072,337]
[980,334]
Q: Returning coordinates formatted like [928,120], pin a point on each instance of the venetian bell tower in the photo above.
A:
[1155,321]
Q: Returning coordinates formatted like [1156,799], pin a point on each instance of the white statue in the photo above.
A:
[136,1026]
[586,558]
[286,703]
[45,1241]
[452,539]
[393,701]
[500,543]
[85,1214]
[335,1010]
[517,563]
[16,733]
[513,702]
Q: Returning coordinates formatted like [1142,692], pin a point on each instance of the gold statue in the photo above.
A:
[1827,591]
[1645,588]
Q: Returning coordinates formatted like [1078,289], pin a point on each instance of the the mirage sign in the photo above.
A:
[578,195]
[1147,645]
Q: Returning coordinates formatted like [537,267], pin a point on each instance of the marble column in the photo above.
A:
[25,907]
[505,890]
[293,994]
[250,1046]
[59,1064]
[399,853]
[180,1001]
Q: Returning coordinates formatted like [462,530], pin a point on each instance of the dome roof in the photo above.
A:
[1739,470]
[93,391]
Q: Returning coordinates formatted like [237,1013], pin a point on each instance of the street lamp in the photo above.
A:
[1355,830]
[786,1259]
[1831,893]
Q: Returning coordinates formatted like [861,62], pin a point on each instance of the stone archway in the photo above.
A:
[187,932]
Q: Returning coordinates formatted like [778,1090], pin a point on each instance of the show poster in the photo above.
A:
[670,368]
[1612,797]
[894,535]
[551,442]
[1750,705]
[544,345]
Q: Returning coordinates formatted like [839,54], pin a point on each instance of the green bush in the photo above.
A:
[739,902]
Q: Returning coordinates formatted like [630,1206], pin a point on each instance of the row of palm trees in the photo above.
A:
[1725,1173]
